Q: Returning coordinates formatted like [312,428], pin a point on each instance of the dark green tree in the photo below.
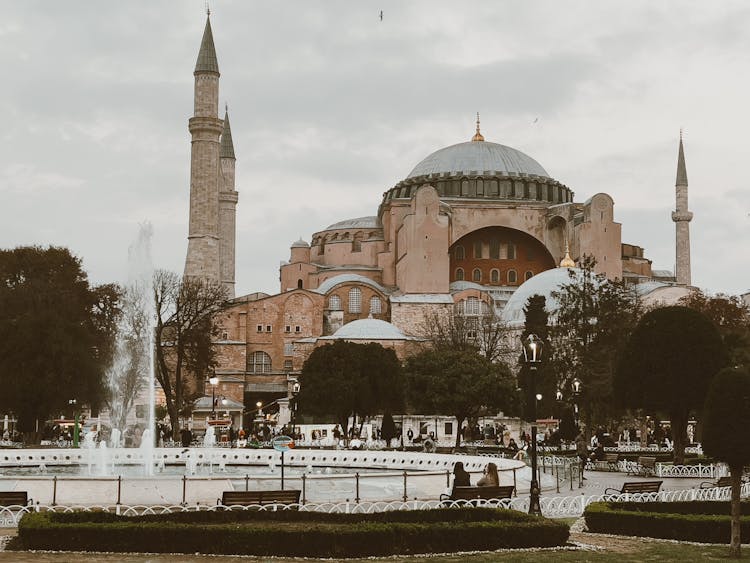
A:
[726,420]
[667,366]
[56,334]
[345,379]
[545,382]
[462,383]
[594,318]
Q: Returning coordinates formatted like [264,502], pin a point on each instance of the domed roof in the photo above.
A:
[368,329]
[357,223]
[300,244]
[478,157]
[543,284]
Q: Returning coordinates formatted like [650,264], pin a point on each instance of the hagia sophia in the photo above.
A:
[474,226]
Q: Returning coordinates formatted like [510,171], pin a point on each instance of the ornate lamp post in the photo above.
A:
[213,381]
[577,387]
[295,391]
[533,347]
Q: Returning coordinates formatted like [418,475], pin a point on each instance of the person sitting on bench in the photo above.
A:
[490,477]
[461,477]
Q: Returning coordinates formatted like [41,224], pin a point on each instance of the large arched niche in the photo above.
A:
[498,256]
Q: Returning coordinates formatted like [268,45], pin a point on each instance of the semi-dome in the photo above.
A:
[368,329]
[544,283]
[478,157]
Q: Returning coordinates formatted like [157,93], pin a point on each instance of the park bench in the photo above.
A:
[14,498]
[612,461]
[635,487]
[261,498]
[484,493]
[646,465]
[721,482]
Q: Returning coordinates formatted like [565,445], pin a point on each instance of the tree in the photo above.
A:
[726,420]
[345,379]
[460,382]
[129,368]
[667,365]
[545,382]
[186,323]
[594,318]
[731,315]
[56,334]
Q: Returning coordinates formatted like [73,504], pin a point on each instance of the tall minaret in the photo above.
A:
[202,259]
[227,208]
[682,217]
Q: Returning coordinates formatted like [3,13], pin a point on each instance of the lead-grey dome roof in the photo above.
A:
[367,329]
[477,157]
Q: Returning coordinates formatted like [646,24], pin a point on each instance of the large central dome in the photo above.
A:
[478,157]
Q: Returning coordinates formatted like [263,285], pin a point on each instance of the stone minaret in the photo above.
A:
[202,259]
[227,208]
[682,217]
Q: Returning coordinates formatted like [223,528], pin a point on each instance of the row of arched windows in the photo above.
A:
[511,276]
[355,302]
[496,250]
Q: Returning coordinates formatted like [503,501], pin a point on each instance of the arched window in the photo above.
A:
[459,274]
[259,362]
[334,303]
[494,249]
[512,277]
[375,306]
[476,275]
[470,306]
[459,252]
[478,249]
[528,275]
[494,276]
[299,284]
[511,251]
[355,300]
[357,242]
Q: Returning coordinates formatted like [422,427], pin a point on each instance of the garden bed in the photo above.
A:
[706,522]
[292,533]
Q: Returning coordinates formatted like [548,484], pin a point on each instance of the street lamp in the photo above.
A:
[74,403]
[213,380]
[295,391]
[577,387]
[533,347]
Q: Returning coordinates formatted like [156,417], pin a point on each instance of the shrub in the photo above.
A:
[707,522]
[291,533]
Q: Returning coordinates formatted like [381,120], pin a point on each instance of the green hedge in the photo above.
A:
[291,533]
[707,522]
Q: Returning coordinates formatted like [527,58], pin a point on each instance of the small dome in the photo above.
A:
[357,223]
[368,329]
[543,284]
[300,244]
[478,157]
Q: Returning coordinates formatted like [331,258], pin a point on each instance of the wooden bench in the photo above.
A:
[646,466]
[14,498]
[612,461]
[261,498]
[484,493]
[635,487]
[721,482]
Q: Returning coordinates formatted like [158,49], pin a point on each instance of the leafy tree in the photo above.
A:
[56,334]
[346,379]
[731,315]
[545,382]
[727,418]
[460,382]
[594,319]
[667,365]
[186,322]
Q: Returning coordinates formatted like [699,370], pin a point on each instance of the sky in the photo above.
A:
[330,107]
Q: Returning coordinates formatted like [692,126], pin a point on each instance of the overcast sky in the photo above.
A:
[330,107]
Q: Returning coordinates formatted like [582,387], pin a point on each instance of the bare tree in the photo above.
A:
[185,325]
[129,369]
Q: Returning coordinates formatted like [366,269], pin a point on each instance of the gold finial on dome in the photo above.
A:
[567,262]
[477,136]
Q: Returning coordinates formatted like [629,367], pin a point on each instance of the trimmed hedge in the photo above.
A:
[291,533]
[707,522]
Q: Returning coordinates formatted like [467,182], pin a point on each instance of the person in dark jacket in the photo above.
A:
[461,477]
